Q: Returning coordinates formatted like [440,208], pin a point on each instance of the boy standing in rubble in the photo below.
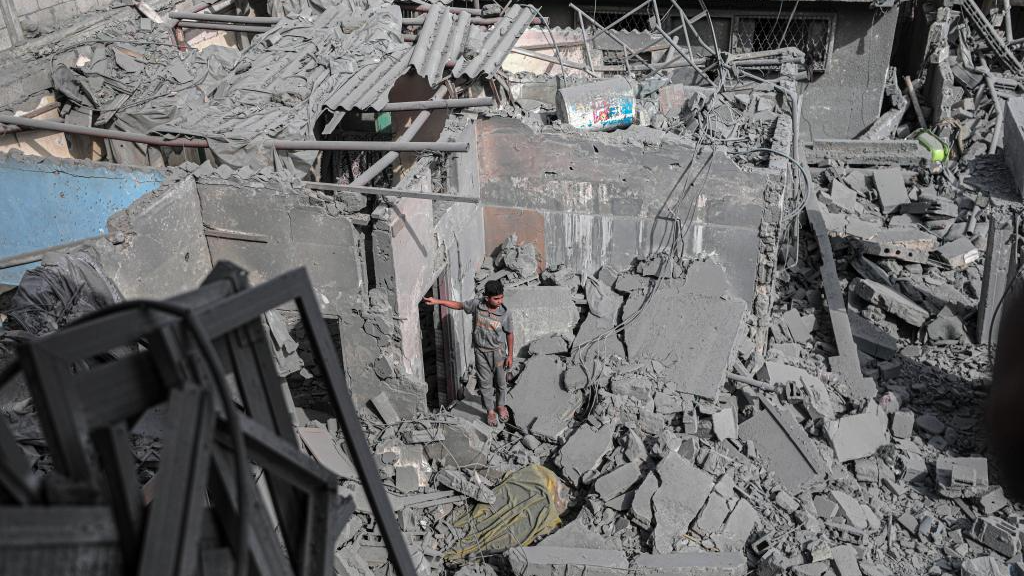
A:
[493,342]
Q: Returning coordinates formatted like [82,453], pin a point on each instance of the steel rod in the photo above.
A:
[425,8]
[229,18]
[223,27]
[37,255]
[350,145]
[388,192]
[437,104]
[37,112]
[414,127]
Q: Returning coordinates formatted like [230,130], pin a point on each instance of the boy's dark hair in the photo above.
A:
[494,288]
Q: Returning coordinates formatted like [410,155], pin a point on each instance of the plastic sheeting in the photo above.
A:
[528,504]
[64,288]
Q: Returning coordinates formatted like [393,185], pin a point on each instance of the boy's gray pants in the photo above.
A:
[490,374]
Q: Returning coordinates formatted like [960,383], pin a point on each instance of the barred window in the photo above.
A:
[813,35]
[635,21]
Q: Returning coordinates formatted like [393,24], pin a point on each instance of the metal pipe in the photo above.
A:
[414,127]
[437,104]
[230,18]
[426,8]
[32,114]
[223,27]
[1007,24]
[387,192]
[349,145]
[37,255]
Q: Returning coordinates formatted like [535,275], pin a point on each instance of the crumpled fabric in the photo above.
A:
[602,301]
[62,289]
[528,505]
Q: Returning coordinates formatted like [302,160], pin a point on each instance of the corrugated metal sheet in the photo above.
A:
[497,43]
[444,37]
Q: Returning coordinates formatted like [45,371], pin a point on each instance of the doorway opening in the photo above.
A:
[437,341]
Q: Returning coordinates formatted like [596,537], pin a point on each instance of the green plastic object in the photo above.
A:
[933,144]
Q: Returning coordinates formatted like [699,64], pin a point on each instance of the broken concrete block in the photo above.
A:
[902,425]
[618,481]
[992,501]
[556,561]
[871,340]
[930,424]
[825,506]
[553,344]
[407,479]
[684,489]
[946,327]
[641,509]
[959,253]
[843,197]
[784,445]
[984,566]
[712,516]
[538,401]
[723,423]
[906,244]
[820,568]
[845,560]
[539,311]
[457,481]
[347,561]
[575,534]
[786,502]
[798,325]
[858,435]
[850,509]
[890,300]
[996,534]
[892,191]
[382,404]
[584,451]
[961,477]
[738,526]
[696,360]
[691,564]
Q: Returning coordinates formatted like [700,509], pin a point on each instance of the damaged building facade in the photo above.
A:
[761,265]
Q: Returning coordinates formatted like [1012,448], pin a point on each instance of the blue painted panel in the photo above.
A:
[45,203]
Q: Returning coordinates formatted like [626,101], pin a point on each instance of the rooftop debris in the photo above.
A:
[668,415]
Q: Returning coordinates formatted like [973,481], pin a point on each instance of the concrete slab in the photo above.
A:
[858,435]
[641,508]
[684,489]
[784,446]
[618,481]
[1013,140]
[691,564]
[584,451]
[892,191]
[539,311]
[538,402]
[696,359]
[556,561]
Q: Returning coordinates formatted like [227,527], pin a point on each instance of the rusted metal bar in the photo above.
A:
[229,18]
[414,127]
[37,112]
[348,145]
[374,191]
[437,104]
[223,27]
[37,255]
[426,8]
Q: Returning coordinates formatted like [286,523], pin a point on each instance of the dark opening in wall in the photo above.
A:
[437,346]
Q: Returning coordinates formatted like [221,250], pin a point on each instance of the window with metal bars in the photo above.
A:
[637,21]
[813,35]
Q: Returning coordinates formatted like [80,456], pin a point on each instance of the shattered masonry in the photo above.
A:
[763,265]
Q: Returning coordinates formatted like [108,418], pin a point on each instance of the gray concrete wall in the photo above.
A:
[163,251]
[295,232]
[586,209]
[847,98]
[46,15]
